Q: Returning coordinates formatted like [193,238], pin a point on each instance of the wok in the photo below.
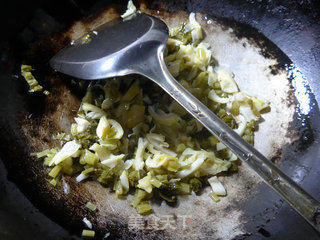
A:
[285,31]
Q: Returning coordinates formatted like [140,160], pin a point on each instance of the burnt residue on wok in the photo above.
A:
[25,108]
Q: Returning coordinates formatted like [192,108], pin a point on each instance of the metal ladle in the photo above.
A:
[135,45]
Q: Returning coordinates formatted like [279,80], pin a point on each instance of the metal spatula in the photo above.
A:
[136,45]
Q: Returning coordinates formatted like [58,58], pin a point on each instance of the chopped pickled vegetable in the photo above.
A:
[88,233]
[139,196]
[55,171]
[214,97]
[145,183]
[135,115]
[86,38]
[31,80]
[88,157]
[195,184]
[133,91]
[54,182]
[134,137]
[144,208]
[214,197]
[124,180]
[227,82]
[92,111]
[217,186]
[138,162]
[82,124]
[91,206]
[181,188]
[170,199]
[103,128]
[68,150]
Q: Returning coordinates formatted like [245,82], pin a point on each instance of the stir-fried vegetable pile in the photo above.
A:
[134,137]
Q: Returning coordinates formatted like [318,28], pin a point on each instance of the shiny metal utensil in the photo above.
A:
[136,45]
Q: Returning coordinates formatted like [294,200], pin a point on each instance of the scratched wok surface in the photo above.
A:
[286,32]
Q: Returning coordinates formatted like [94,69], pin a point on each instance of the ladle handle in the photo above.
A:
[296,196]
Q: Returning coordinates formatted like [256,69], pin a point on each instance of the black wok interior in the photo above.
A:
[292,26]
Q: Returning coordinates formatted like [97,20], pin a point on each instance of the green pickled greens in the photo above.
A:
[92,207]
[133,136]
[31,80]
[88,233]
